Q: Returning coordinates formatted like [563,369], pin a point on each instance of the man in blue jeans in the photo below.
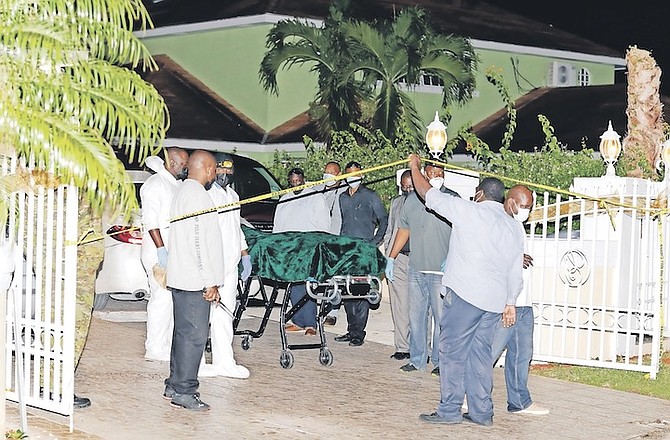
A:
[518,338]
[429,234]
[482,279]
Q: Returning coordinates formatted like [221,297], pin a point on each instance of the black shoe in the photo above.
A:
[436,372]
[399,355]
[435,418]
[81,402]
[408,368]
[356,342]
[330,320]
[488,422]
[343,338]
[189,401]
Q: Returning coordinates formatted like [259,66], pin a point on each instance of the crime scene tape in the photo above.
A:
[604,203]
[287,190]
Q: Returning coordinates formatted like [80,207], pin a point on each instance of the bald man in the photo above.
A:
[156,195]
[194,272]
[482,278]
[514,331]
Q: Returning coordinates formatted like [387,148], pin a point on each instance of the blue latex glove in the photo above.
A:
[389,268]
[246,267]
[443,267]
[162,256]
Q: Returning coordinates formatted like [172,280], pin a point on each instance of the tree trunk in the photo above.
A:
[642,143]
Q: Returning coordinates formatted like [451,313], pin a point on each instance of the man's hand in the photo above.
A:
[246,267]
[211,294]
[162,255]
[414,161]
[389,269]
[509,315]
[527,261]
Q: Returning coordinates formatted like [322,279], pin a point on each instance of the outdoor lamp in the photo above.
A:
[610,147]
[665,158]
[436,137]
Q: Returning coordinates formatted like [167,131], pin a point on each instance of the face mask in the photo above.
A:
[354,182]
[436,182]
[208,185]
[406,193]
[522,215]
[329,176]
[223,179]
[182,175]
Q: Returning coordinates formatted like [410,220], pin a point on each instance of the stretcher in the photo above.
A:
[333,268]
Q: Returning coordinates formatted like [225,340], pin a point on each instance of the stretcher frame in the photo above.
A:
[326,294]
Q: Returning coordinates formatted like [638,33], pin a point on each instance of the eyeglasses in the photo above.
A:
[407,188]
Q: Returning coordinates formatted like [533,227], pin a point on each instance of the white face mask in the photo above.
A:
[354,182]
[327,176]
[436,182]
[522,215]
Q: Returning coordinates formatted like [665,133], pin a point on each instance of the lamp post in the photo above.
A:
[610,148]
[436,137]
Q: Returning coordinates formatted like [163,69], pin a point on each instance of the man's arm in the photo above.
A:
[401,238]
[421,184]
[382,218]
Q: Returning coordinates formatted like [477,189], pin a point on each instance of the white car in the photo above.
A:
[121,275]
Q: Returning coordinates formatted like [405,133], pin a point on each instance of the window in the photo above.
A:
[583,77]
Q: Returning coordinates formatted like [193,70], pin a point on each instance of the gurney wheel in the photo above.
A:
[337,298]
[246,342]
[375,297]
[286,359]
[326,357]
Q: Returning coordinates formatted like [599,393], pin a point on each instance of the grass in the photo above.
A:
[629,381]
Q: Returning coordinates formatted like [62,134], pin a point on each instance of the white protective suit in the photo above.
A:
[221,320]
[156,195]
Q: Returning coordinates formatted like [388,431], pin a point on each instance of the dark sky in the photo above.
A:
[643,23]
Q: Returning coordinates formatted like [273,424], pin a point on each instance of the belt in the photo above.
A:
[404,252]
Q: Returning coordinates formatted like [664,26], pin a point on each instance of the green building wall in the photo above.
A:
[227,61]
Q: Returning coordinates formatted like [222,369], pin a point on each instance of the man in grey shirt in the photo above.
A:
[364,217]
[482,279]
[429,234]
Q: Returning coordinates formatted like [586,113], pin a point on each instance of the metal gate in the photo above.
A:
[40,319]
[597,284]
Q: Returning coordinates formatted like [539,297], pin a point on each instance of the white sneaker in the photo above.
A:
[234,371]
[464,406]
[534,410]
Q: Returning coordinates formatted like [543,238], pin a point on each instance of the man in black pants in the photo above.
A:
[364,217]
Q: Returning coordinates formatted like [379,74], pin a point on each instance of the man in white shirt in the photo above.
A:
[194,275]
[303,210]
[156,195]
[235,246]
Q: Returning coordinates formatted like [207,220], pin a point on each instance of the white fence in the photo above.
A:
[40,319]
[597,283]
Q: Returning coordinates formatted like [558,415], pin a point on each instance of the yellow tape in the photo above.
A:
[603,202]
[286,191]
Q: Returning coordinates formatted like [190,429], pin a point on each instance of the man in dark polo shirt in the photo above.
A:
[364,217]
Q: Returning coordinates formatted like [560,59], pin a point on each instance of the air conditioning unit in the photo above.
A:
[562,74]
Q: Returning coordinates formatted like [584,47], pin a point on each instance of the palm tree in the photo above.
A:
[395,54]
[65,95]
[297,42]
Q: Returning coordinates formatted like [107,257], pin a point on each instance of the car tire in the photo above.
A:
[100,301]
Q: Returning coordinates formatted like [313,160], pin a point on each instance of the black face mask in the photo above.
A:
[182,174]
[223,179]
[208,185]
